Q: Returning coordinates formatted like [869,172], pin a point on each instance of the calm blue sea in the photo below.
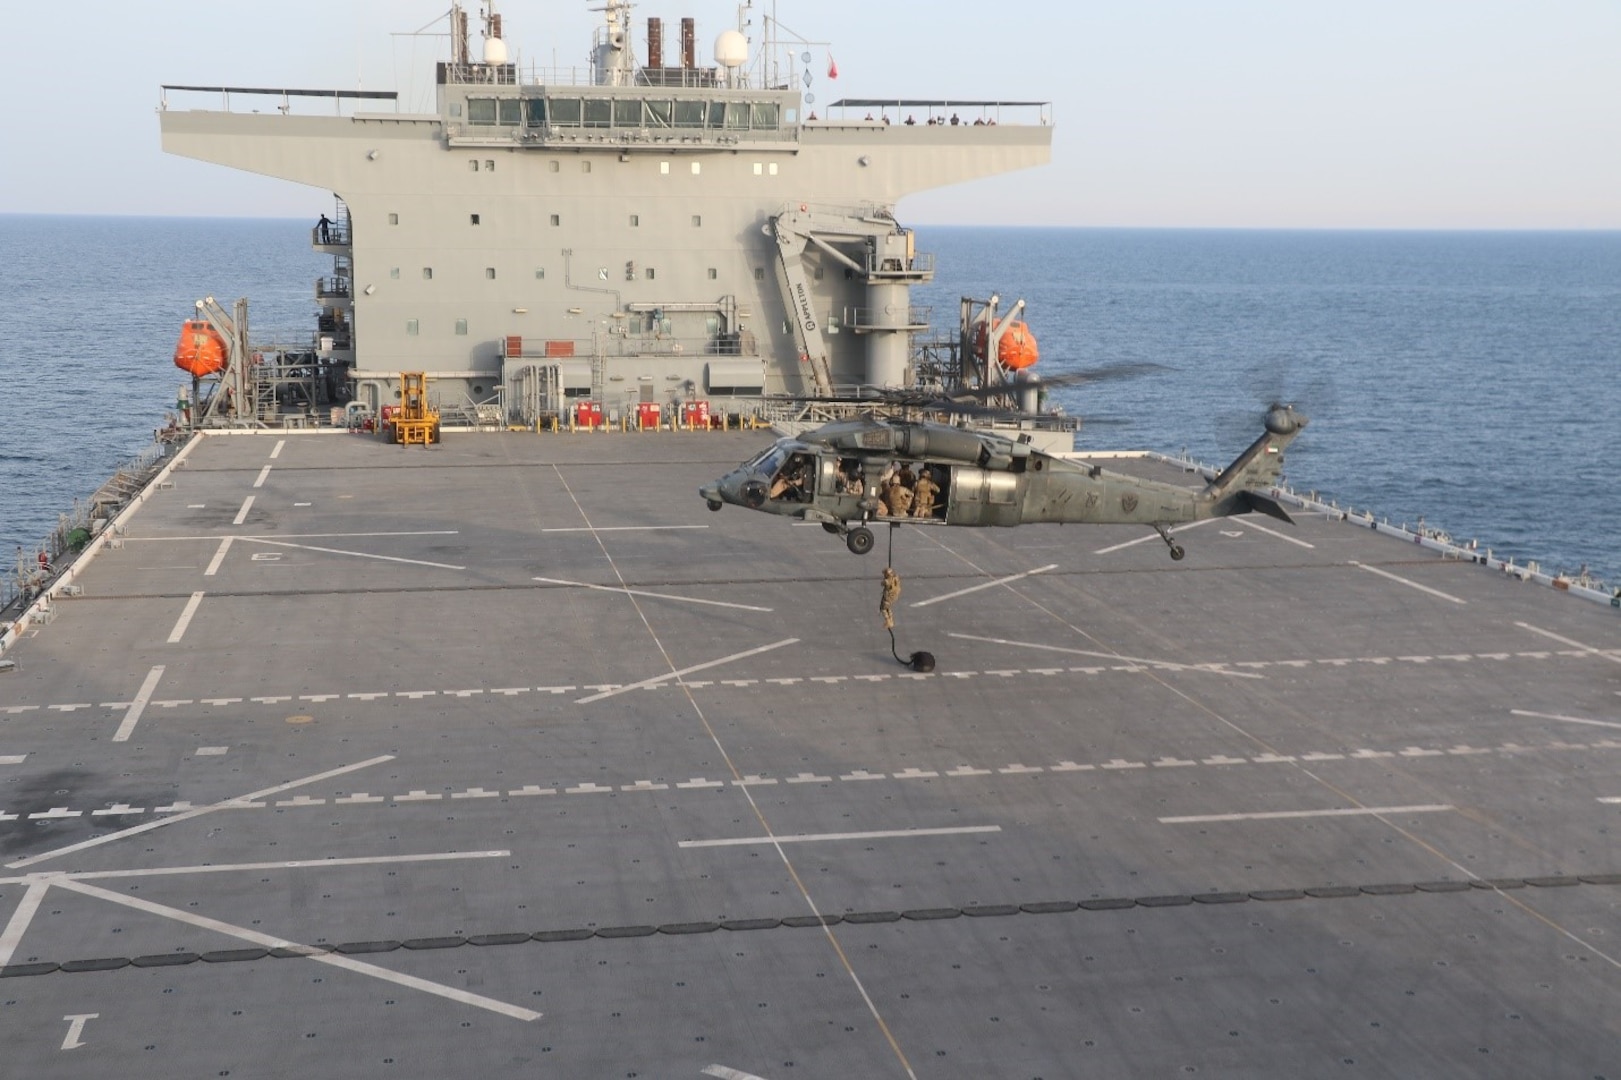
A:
[1473,379]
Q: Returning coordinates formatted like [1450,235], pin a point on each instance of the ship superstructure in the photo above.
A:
[627,233]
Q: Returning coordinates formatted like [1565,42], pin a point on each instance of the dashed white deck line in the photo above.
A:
[351,554]
[667,676]
[275,451]
[1611,799]
[219,557]
[242,514]
[985,585]
[1273,815]
[1565,719]
[264,474]
[138,706]
[855,776]
[652,595]
[1153,536]
[13,759]
[1168,665]
[210,751]
[185,811]
[1410,584]
[266,941]
[811,838]
[1587,650]
[1258,527]
[184,621]
[624,528]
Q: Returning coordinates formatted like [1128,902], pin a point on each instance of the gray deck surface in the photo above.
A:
[425,662]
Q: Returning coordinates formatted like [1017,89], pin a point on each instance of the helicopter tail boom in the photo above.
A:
[1238,488]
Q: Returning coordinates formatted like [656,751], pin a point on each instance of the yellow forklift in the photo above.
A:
[413,421]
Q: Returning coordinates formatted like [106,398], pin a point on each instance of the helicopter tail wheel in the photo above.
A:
[1176,548]
[828,526]
[859,540]
[754,494]
[715,504]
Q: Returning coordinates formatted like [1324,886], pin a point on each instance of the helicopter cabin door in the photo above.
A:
[983,497]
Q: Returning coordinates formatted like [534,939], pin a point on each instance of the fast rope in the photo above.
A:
[918,661]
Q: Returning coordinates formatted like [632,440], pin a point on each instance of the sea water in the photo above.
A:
[1471,380]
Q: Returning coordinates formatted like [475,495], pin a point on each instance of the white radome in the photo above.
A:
[731,49]
[495,51]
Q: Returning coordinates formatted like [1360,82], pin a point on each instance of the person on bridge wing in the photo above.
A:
[923,493]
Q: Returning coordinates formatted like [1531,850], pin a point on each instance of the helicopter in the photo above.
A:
[835,475]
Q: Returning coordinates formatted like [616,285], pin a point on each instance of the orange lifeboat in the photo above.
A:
[1016,350]
[201,350]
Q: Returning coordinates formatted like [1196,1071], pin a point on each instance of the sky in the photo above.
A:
[1383,114]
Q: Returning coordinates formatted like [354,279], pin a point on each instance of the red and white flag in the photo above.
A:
[832,67]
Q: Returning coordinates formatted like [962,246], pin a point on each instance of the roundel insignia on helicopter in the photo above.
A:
[1128,502]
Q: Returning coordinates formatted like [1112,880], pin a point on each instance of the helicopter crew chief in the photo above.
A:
[923,493]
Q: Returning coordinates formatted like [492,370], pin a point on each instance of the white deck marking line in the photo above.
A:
[219,557]
[623,528]
[242,514]
[264,473]
[1208,669]
[1573,644]
[721,1072]
[199,811]
[20,919]
[667,676]
[286,864]
[1273,815]
[810,838]
[985,585]
[138,706]
[293,536]
[1566,719]
[654,595]
[1612,799]
[267,941]
[1273,532]
[1410,584]
[275,451]
[1153,536]
[356,554]
[184,621]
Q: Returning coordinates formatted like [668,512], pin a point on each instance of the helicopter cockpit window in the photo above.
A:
[768,461]
[793,481]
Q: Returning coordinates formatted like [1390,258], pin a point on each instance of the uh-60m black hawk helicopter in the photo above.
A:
[844,475]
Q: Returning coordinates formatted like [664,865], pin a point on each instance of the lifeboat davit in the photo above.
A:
[1015,351]
[201,350]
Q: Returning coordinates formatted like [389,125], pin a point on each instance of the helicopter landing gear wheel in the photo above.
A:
[859,540]
[828,526]
[715,505]
[1176,548]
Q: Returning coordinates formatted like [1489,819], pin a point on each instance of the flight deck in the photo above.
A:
[505,757]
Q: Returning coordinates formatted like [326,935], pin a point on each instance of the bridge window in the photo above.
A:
[565,111]
[511,110]
[717,115]
[481,111]
[658,114]
[766,114]
[598,112]
[628,112]
[689,114]
[536,108]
